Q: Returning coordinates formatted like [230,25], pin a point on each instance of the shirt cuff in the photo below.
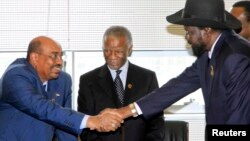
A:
[138,109]
[84,122]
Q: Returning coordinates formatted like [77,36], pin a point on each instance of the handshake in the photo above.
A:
[110,119]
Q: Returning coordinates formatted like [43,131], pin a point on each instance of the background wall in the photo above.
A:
[79,25]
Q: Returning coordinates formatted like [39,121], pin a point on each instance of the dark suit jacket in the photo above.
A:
[96,92]
[227,95]
[28,113]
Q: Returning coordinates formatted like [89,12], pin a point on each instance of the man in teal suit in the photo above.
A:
[29,112]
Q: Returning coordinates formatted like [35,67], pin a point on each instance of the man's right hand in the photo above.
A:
[105,121]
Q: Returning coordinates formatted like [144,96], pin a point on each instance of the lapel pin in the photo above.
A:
[53,99]
[130,86]
[211,70]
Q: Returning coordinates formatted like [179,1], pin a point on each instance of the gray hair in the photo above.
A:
[118,31]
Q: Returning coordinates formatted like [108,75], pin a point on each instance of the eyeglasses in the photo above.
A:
[54,56]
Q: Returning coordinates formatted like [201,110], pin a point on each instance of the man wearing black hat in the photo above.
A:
[222,68]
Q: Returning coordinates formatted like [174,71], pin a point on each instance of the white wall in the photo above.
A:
[79,25]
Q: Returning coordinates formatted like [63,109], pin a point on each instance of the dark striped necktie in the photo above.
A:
[119,86]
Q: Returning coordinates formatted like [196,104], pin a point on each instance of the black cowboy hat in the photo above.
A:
[205,13]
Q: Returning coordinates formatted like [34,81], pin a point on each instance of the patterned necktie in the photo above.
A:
[119,86]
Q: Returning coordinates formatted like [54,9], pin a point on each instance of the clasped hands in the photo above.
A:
[108,119]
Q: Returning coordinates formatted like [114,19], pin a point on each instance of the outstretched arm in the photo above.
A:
[126,111]
[107,120]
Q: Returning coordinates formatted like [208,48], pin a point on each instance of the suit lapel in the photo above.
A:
[206,79]
[52,90]
[214,64]
[106,83]
[130,84]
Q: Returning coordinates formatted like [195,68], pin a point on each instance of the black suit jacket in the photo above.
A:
[96,92]
[226,95]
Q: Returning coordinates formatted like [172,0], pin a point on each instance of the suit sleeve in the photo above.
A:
[85,102]
[155,125]
[60,134]
[21,90]
[188,81]
[237,82]
[85,99]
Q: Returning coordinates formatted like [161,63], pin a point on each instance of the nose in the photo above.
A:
[59,60]
[113,54]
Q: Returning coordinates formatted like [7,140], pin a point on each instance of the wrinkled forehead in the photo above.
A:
[51,47]
[112,41]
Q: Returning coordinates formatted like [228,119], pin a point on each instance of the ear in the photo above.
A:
[208,29]
[130,50]
[206,32]
[33,59]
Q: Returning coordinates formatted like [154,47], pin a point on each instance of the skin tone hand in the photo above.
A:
[125,112]
[105,121]
[109,119]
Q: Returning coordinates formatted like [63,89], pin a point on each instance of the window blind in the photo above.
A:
[80,24]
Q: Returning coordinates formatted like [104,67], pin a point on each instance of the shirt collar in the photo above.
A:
[46,85]
[212,49]
[124,70]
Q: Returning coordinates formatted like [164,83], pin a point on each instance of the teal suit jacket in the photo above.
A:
[29,113]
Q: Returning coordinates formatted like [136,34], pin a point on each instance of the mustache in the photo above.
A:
[57,66]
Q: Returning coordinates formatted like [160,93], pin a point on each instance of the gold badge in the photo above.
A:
[130,86]
[211,70]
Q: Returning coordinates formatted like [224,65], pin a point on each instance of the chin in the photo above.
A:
[55,75]
[113,67]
